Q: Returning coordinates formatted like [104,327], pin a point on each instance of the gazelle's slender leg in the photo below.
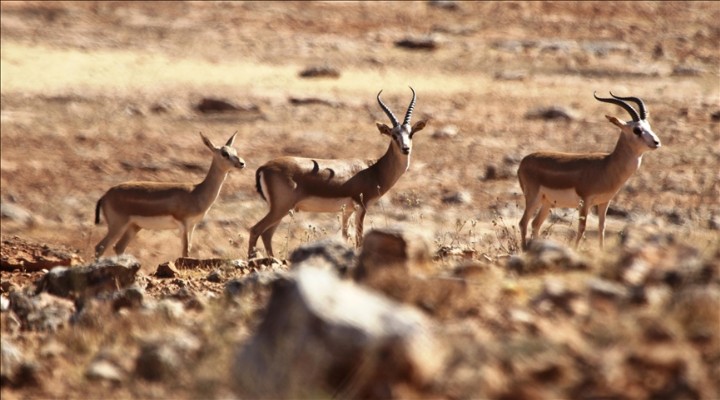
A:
[272,219]
[359,221]
[532,202]
[128,236]
[115,230]
[582,221]
[602,212]
[539,219]
[267,239]
[347,212]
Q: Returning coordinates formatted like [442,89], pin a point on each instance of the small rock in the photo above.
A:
[715,117]
[42,312]
[607,290]
[460,197]
[337,254]
[320,72]
[298,101]
[215,276]
[427,43]
[551,113]
[210,105]
[166,270]
[104,370]
[4,304]
[11,358]
[16,213]
[449,5]
[157,362]
[544,254]
[685,70]
[511,75]
[253,282]
[446,132]
[394,248]
[131,297]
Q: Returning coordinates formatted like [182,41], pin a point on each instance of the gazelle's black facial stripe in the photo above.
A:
[637,131]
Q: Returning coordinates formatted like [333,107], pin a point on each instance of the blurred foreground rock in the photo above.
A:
[105,275]
[542,255]
[324,335]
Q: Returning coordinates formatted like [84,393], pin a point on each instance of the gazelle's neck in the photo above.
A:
[207,190]
[624,160]
[391,166]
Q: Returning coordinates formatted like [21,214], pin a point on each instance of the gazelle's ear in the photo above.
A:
[615,121]
[232,139]
[384,129]
[207,142]
[418,127]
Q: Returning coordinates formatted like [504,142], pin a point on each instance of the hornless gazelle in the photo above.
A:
[132,206]
[553,179]
[346,186]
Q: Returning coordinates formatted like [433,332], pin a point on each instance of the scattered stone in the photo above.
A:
[216,276]
[320,72]
[14,212]
[686,70]
[607,290]
[446,132]
[254,282]
[301,101]
[449,5]
[460,197]
[105,275]
[104,370]
[11,358]
[4,304]
[161,108]
[42,312]
[315,319]
[552,113]
[511,75]
[394,248]
[131,297]
[555,295]
[715,117]
[166,270]
[427,43]
[24,255]
[209,105]
[337,254]
[160,359]
[455,252]
[543,254]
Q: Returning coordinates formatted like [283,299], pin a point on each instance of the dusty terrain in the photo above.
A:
[95,94]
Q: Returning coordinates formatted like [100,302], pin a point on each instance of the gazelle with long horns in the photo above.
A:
[553,179]
[320,185]
[132,206]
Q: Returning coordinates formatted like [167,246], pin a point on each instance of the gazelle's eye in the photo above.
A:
[224,153]
[637,131]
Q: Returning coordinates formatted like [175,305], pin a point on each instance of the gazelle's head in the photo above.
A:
[401,134]
[224,156]
[637,131]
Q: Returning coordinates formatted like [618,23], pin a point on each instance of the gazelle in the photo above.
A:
[553,179]
[132,206]
[346,186]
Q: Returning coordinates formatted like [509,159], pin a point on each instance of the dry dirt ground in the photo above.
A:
[98,93]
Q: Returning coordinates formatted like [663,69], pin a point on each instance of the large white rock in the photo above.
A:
[322,335]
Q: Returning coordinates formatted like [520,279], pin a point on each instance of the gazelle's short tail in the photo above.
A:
[97,211]
[258,185]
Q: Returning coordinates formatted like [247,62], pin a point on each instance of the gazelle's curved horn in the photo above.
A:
[622,104]
[387,111]
[641,105]
[410,108]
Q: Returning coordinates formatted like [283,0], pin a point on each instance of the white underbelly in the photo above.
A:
[156,223]
[324,204]
[564,198]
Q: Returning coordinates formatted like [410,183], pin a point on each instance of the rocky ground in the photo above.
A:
[439,303]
